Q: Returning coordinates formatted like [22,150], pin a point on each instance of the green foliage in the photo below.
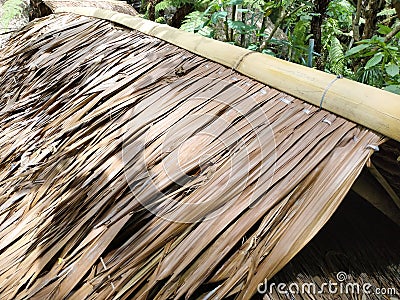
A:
[217,20]
[163,5]
[389,12]
[393,88]
[11,9]
[374,60]
[244,23]
[194,22]
[175,4]
[336,29]
[342,11]
[295,47]
[372,76]
[160,20]
[381,61]
[336,59]
[167,4]
[392,69]
[298,41]
[357,49]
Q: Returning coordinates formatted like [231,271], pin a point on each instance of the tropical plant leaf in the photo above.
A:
[194,22]
[235,2]
[393,89]
[392,69]
[356,49]
[387,12]
[237,25]
[269,52]
[372,76]
[383,29]
[252,47]
[336,56]
[374,60]
[218,15]
[163,5]
[206,31]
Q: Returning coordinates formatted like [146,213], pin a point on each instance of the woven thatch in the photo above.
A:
[131,168]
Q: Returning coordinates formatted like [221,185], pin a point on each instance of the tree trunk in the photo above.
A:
[38,9]
[396,6]
[320,8]
[152,9]
[180,15]
[356,22]
[370,16]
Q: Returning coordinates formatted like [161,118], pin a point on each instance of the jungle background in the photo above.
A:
[359,39]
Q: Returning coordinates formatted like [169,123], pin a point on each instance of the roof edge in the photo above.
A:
[371,107]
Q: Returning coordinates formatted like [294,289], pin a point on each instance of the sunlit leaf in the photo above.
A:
[392,69]
[374,60]
[357,49]
[393,89]
[218,15]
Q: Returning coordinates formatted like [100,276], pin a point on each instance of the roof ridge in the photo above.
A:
[373,108]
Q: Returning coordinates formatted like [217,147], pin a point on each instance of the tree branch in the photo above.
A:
[233,19]
[396,6]
[391,34]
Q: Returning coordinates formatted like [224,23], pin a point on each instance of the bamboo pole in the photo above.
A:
[365,105]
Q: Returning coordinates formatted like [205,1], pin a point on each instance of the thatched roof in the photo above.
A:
[131,168]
